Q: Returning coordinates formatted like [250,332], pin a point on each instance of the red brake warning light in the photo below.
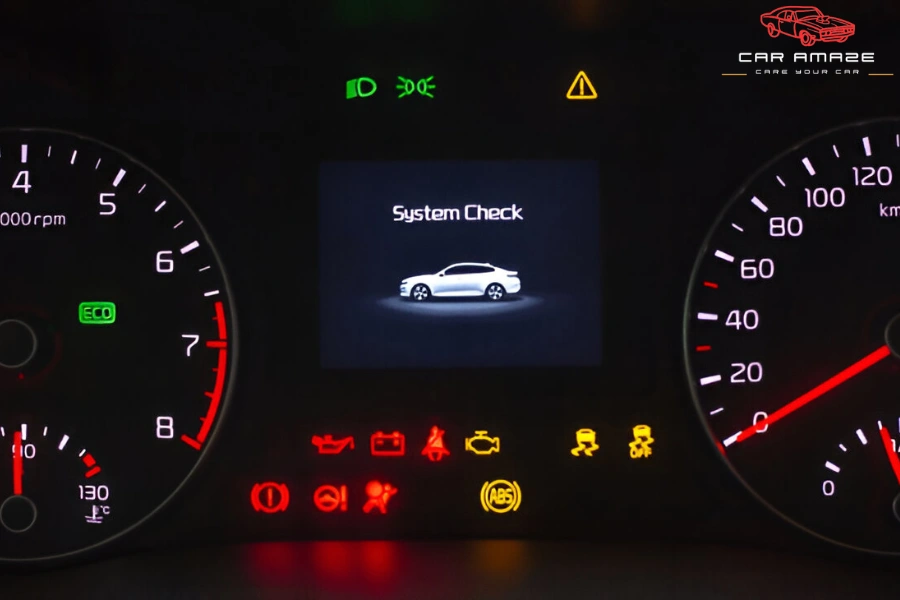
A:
[270,497]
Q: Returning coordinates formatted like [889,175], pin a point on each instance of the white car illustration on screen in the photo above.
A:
[462,280]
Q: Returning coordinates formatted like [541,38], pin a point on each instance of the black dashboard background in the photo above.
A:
[235,107]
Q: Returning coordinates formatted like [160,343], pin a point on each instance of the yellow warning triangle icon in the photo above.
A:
[581,88]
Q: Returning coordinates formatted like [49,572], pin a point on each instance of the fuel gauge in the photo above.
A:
[57,491]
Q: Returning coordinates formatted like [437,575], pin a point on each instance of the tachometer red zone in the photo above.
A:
[215,396]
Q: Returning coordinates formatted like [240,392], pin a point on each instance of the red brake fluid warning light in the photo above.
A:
[270,497]
[434,448]
[379,494]
[388,444]
[329,498]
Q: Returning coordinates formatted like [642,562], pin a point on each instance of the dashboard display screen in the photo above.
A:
[441,264]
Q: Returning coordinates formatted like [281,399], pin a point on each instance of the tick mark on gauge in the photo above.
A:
[861,436]
[717,411]
[836,153]
[119,177]
[45,432]
[730,440]
[707,316]
[867,146]
[780,180]
[832,467]
[710,284]
[142,188]
[724,256]
[159,208]
[808,166]
[97,166]
[49,148]
[759,204]
[24,153]
[82,453]
[192,246]
[212,293]
[24,431]
[710,379]
[738,227]
[74,154]
[703,348]
[178,224]
[63,442]
[842,447]
[201,269]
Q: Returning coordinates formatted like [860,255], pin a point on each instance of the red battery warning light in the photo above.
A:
[388,444]
[270,497]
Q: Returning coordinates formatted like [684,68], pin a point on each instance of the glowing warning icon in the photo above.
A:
[501,496]
[581,88]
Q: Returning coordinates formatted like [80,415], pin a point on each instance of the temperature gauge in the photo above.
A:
[865,459]
[56,488]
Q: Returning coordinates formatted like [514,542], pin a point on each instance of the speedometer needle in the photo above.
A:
[826,386]
[891,452]
[17,463]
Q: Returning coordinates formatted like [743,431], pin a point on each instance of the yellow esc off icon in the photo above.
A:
[501,496]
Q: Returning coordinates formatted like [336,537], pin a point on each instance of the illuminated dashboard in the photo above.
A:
[535,287]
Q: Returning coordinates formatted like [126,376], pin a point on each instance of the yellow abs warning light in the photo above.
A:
[501,496]
[482,444]
[581,88]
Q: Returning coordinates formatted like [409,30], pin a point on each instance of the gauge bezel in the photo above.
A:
[234,349]
[686,322]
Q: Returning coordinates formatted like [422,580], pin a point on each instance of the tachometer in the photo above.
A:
[792,335]
[117,343]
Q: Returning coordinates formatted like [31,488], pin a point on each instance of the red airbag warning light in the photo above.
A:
[434,448]
[270,497]
[388,444]
[379,494]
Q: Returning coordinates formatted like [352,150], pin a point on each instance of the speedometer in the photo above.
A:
[792,335]
[117,343]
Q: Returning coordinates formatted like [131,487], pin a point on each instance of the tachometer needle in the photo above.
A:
[892,454]
[824,387]
[17,463]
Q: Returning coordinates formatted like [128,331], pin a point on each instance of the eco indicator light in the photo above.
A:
[97,313]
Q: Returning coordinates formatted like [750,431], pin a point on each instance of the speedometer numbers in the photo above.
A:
[117,343]
[792,337]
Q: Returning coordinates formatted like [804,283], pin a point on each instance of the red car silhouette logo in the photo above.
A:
[806,23]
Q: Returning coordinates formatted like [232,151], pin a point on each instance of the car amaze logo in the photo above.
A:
[809,26]
[806,23]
